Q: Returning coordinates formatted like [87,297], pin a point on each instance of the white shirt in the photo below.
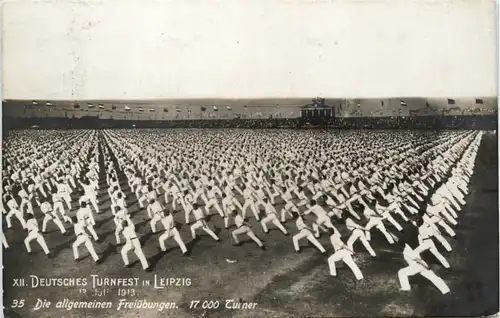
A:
[238,220]
[247,194]
[83,198]
[316,210]
[302,196]
[197,184]
[168,222]
[351,225]
[287,195]
[198,214]
[79,229]
[269,208]
[12,204]
[88,190]
[83,214]
[46,207]
[425,231]
[144,189]
[129,233]
[122,215]
[329,201]
[165,186]
[62,188]
[155,208]
[260,194]
[369,213]
[412,257]
[435,209]
[152,195]
[23,194]
[227,203]
[337,243]
[32,226]
[174,189]
[301,224]
[211,195]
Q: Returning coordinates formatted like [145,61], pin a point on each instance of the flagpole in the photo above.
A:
[390,105]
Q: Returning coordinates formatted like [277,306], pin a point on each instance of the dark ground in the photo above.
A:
[282,282]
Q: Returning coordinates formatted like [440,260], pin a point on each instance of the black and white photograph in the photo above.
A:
[250,159]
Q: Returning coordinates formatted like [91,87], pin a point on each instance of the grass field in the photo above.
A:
[282,283]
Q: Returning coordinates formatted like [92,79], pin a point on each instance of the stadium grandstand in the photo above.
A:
[416,113]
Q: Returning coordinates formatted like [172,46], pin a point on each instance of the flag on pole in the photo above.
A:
[48,103]
[76,106]
[228,107]
[451,101]
[151,109]
[165,110]
[90,105]
[203,108]
[216,109]
[246,107]
[101,106]
[141,109]
[127,108]
[479,101]
[35,103]
[113,107]
[403,103]
[177,109]
[189,111]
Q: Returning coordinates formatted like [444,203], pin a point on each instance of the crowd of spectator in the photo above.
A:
[429,122]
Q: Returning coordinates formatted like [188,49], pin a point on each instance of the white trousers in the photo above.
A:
[213,203]
[93,202]
[244,229]
[379,225]
[90,228]
[4,241]
[35,235]
[134,245]
[289,206]
[428,244]
[26,203]
[359,234]
[305,233]
[143,199]
[173,233]
[391,220]
[204,226]
[253,207]
[18,214]
[54,218]
[274,220]
[58,207]
[322,221]
[84,239]
[67,199]
[345,256]
[155,219]
[414,269]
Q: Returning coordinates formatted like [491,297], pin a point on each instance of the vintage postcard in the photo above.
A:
[249,158]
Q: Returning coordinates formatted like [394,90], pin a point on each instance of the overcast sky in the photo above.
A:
[247,49]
